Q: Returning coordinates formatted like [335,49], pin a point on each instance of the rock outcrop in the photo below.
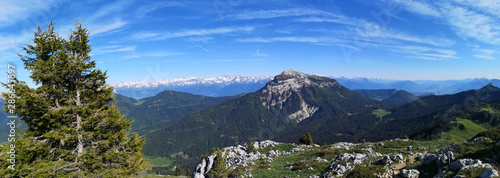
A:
[343,163]
[289,84]
[411,173]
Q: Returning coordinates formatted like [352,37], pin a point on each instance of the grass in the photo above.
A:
[461,130]
[282,148]
[296,164]
[161,162]
[157,176]
[380,114]
[299,166]
[391,147]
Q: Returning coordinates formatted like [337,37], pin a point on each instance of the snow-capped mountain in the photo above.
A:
[209,86]
[234,85]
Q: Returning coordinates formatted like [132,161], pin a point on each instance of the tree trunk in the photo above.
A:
[79,147]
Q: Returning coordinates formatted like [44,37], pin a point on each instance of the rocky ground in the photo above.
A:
[381,159]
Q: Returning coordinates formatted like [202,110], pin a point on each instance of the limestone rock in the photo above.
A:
[412,173]
[397,157]
[489,174]
[384,160]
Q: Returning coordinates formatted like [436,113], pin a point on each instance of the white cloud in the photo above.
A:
[153,54]
[472,19]
[487,54]
[189,33]
[337,19]
[111,8]
[281,39]
[154,6]
[420,52]
[491,7]
[112,49]
[472,24]
[101,28]
[420,8]
[268,14]
[14,41]
[13,12]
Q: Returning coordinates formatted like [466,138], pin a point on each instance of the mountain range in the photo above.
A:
[163,109]
[212,86]
[183,126]
[233,85]
[293,103]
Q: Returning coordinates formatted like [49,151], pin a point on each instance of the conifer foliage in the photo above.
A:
[306,139]
[73,131]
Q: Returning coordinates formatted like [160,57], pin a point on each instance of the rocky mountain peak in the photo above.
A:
[289,83]
[291,73]
[489,88]
[292,79]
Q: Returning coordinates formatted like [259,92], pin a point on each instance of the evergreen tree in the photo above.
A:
[188,173]
[219,169]
[250,147]
[73,130]
[179,171]
[306,139]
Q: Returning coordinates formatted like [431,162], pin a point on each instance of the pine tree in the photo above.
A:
[179,171]
[73,130]
[306,139]
[250,147]
[219,169]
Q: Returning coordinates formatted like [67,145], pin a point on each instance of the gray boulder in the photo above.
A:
[462,163]
[427,158]
[343,163]
[489,174]
[384,161]
[397,157]
[412,173]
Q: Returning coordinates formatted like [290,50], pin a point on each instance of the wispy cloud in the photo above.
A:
[336,19]
[189,33]
[471,19]
[14,41]
[420,8]
[420,52]
[260,54]
[485,6]
[105,28]
[281,39]
[366,30]
[268,14]
[201,47]
[110,9]
[143,11]
[472,24]
[487,54]
[112,49]
[12,12]
[153,54]
[236,60]
[369,30]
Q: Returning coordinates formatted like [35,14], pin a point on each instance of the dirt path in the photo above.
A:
[396,168]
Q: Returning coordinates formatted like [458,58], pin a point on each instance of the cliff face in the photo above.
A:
[288,86]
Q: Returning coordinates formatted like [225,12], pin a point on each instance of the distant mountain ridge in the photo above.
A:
[163,109]
[234,85]
[293,103]
[211,86]
[287,106]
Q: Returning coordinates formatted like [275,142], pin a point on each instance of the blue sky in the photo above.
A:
[152,40]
